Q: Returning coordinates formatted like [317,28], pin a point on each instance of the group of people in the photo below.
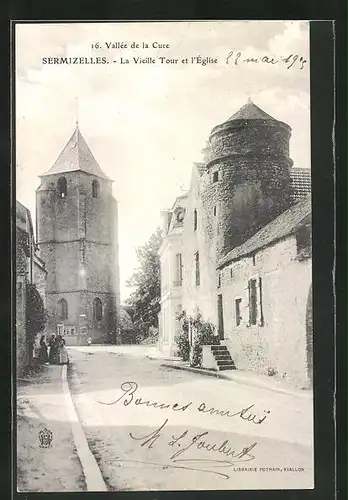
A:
[55,352]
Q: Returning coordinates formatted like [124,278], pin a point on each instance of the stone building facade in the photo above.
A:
[77,233]
[243,184]
[30,268]
[171,255]
[265,306]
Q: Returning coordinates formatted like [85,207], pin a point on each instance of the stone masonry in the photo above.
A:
[77,232]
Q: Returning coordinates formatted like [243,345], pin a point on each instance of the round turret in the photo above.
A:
[247,179]
[250,131]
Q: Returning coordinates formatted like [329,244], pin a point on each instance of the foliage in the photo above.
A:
[145,300]
[196,354]
[129,337]
[112,324]
[182,339]
[203,334]
[36,316]
[152,339]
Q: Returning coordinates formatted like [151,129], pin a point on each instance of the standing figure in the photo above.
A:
[43,353]
[62,351]
[53,350]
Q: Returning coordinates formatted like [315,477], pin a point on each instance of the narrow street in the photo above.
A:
[154,428]
[41,405]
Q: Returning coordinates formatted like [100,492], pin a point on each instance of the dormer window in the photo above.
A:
[95,189]
[180,216]
[62,187]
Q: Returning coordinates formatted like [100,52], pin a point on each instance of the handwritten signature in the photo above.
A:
[236,58]
[128,397]
[182,443]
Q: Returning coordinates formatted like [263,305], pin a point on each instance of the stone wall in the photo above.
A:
[199,240]
[29,269]
[40,276]
[21,343]
[78,240]
[255,137]
[278,340]
[247,180]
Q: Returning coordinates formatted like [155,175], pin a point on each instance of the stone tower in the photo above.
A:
[77,233]
[246,182]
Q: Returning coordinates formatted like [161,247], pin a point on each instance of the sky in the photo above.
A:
[147,123]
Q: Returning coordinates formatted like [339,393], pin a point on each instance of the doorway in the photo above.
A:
[220,318]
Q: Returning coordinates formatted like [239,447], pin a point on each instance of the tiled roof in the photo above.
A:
[284,225]
[301,182]
[250,112]
[76,156]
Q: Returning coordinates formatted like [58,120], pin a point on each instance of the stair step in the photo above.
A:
[224,362]
[221,357]
[218,348]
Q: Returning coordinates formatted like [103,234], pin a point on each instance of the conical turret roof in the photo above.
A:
[76,156]
[251,112]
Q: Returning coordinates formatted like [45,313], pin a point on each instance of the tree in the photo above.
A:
[145,300]
[35,311]
[36,316]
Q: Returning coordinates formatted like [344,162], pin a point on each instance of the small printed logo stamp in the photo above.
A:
[45,438]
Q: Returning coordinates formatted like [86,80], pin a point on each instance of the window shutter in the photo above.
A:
[249,301]
[261,307]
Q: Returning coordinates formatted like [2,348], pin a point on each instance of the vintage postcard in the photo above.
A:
[163,256]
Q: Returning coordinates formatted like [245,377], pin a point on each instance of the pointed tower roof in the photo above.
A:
[76,156]
[251,112]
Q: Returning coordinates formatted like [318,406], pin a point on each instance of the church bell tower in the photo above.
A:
[77,233]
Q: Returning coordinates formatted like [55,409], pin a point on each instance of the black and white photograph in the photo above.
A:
[163,223]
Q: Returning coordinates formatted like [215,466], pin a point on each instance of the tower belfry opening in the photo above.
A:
[62,187]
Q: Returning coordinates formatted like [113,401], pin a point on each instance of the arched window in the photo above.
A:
[62,187]
[95,189]
[62,309]
[97,309]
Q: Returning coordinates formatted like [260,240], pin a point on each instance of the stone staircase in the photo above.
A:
[222,357]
